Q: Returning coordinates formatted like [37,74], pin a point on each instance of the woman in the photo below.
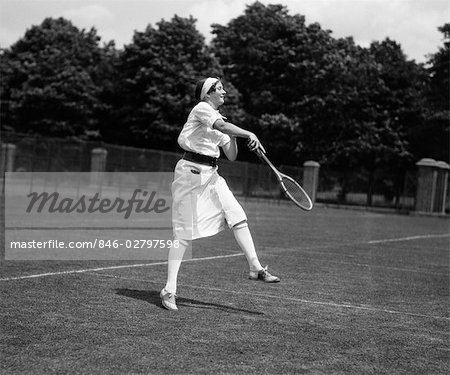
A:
[203,205]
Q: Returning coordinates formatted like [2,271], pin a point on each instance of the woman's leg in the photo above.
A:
[175,258]
[245,241]
[176,254]
[234,213]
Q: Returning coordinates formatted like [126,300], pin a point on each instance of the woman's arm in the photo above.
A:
[230,149]
[236,131]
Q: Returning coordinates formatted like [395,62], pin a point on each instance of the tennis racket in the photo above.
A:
[290,187]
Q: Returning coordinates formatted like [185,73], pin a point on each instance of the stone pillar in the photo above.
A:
[8,155]
[98,165]
[7,159]
[426,185]
[441,187]
[311,178]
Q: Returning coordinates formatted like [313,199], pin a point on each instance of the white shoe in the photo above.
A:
[263,275]
[168,300]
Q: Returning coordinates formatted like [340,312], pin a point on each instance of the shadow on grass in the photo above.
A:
[152,296]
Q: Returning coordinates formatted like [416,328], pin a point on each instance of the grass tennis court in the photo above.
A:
[361,292]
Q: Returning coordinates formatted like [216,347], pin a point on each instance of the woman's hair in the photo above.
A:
[199,86]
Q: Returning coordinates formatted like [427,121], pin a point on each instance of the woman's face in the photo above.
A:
[218,95]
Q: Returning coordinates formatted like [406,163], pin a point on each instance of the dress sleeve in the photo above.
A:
[206,114]
[224,139]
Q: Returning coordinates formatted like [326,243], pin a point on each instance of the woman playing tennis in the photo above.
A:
[203,205]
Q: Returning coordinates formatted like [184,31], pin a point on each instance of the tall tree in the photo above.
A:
[400,98]
[321,89]
[430,139]
[52,80]
[336,102]
[281,67]
[439,94]
[156,85]
[345,106]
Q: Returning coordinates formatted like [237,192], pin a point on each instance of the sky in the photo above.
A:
[411,23]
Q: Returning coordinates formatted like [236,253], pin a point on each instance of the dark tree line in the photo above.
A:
[307,94]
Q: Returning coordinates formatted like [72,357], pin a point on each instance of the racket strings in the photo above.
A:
[297,193]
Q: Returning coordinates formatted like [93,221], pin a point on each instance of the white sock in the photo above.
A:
[245,242]
[174,263]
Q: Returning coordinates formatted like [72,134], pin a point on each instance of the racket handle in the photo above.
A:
[259,153]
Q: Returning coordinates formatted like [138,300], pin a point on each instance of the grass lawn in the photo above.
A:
[361,293]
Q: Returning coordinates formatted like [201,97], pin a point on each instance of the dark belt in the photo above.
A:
[199,158]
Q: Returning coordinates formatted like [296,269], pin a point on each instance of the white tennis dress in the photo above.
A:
[203,204]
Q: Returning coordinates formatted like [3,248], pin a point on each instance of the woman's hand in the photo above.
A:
[253,143]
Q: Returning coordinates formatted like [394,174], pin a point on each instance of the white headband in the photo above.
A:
[207,86]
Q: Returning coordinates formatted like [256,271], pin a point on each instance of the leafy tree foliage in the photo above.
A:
[334,102]
[399,101]
[307,94]
[292,74]
[53,80]
[387,105]
[439,72]
[431,137]
[158,72]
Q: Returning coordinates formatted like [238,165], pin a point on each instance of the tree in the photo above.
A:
[439,95]
[388,104]
[345,106]
[401,97]
[329,89]
[158,71]
[430,138]
[52,80]
[282,68]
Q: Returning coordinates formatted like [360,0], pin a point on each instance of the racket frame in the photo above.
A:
[280,176]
